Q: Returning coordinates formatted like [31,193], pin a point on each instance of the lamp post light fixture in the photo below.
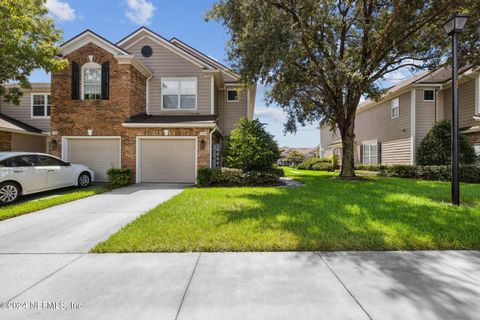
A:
[453,26]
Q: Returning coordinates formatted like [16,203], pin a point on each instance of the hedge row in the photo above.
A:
[322,164]
[120,176]
[468,173]
[236,177]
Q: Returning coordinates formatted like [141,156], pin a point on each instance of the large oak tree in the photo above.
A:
[28,39]
[319,57]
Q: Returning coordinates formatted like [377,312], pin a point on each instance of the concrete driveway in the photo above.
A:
[265,285]
[77,226]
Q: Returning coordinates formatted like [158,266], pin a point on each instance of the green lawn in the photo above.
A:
[48,199]
[325,214]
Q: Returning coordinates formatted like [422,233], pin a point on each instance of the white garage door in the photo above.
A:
[167,160]
[98,154]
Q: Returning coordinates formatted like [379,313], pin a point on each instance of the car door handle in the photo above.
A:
[51,171]
[18,171]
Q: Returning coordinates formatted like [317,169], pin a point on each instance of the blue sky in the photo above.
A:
[184,19]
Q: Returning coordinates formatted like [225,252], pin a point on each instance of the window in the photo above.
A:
[428,95]
[41,105]
[232,95]
[23,161]
[370,153]
[477,150]
[46,161]
[395,108]
[91,81]
[179,94]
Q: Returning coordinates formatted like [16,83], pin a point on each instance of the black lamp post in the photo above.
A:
[453,26]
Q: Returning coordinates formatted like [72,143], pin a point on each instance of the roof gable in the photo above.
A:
[87,37]
[144,32]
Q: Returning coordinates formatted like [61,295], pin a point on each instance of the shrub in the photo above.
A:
[236,177]
[204,175]
[435,148]
[249,147]
[323,166]
[370,167]
[334,158]
[308,163]
[120,177]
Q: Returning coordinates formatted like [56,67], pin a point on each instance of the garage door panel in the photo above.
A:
[98,154]
[167,160]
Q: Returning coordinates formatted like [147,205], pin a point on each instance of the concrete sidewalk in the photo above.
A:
[286,285]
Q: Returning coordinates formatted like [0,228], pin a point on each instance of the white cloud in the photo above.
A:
[139,11]
[270,114]
[61,10]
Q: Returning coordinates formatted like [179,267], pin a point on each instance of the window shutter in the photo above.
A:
[361,153]
[379,152]
[75,81]
[105,80]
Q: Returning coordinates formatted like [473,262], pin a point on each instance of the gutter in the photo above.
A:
[170,125]
[147,97]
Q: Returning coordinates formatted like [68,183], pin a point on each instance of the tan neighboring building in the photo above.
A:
[390,131]
[286,151]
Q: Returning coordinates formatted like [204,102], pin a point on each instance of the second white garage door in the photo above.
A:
[97,154]
[167,160]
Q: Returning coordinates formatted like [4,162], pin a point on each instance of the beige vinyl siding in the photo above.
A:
[231,112]
[326,138]
[23,112]
[28,143]
[396,151]
[440,105]
[166,64]
[425,116]
[466,104]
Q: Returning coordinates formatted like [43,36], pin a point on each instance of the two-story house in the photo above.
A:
[389,131]
[156,106]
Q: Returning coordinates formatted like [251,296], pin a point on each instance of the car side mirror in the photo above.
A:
[68,164]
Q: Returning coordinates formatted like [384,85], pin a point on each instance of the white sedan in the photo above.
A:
[23,173]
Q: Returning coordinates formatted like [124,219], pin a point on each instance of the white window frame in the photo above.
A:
[45,105]
[476,147]
[238,95]
[89,65]
[433,100]
[397,107]
[179,79]
[477,95]
[369,146]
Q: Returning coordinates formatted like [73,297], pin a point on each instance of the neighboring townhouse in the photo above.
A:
[156,106]
[389,131]
[286,151]
[24,127]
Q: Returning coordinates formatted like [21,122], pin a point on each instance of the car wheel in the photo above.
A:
[84,180]
[9,192]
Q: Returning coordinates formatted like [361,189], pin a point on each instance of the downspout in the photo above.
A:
[147,95]
[211,144]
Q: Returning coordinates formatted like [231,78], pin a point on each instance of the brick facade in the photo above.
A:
[105,117]
[5,141]
[474,138]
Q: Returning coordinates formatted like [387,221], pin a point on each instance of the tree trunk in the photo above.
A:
[348,153]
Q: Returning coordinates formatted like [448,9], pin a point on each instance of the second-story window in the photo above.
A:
[91,81]
[428,95]
[41,104]
[179,93]
[232,96]
[395,105]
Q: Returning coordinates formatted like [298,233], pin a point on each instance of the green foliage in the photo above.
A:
[295,157]
[435,148]
[28,39]
[250,147]
[468,173]
[319,57]
[308,163]
[237,177]
[335,159]
[323,166]
[120,177]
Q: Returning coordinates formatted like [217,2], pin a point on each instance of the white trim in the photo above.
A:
[212,95]
[238,95]
[434,94]
[477,95]
[248,100]
[413,115]
[65,139]
[138,151]
[179,79]
[165,44]
[89,65]
[391,108]
[23,132]
[130,59]
[86,38]
[147,95]
[207,124]
[211,145]
[45,94]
